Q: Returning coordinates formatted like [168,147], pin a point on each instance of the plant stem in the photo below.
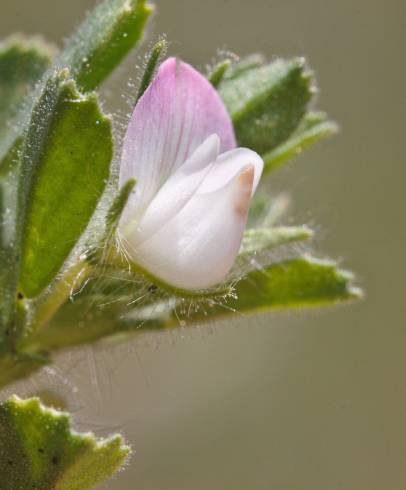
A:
[46,308]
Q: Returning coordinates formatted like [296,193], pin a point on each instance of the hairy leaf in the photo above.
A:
[117,206]
[22,63]
[154,56]
[300,282]
[91,54]
[38,449]
[309,132]
[104,38]
[294,283]
[99,251]
[65,167]
[267,103]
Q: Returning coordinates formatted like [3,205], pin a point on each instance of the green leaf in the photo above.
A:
[312,130]
[117,206]
[98,252]
[91,54]
[22,63]
[38,449]
[257,240]
[300,282]
[218,72]
[267,103]
[65,167]
[293,283]
[104,38]
[157,51]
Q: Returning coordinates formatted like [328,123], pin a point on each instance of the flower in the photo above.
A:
[185,219]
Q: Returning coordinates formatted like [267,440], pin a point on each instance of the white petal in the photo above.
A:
[197,248]
[175,193]
[228,165]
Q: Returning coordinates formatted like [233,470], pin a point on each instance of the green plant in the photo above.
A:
[67,277]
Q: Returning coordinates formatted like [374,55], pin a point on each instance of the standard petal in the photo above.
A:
[197,248]
[177,112]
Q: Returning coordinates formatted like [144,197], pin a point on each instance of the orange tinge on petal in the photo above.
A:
[246,181]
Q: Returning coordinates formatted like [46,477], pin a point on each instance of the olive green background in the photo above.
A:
[290,401]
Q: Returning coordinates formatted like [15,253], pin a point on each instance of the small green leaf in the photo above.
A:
[104,38]
[157,51]
[38,449]
[257,240]
[309,132]
[22,63]
[98,252]
[117,206]
[267,103]
[218,72]
[65,167]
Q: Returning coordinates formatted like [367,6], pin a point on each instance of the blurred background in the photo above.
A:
[312,400]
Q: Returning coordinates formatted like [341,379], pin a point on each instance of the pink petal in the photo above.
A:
[177,113]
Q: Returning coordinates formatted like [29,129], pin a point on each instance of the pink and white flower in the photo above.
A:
[185,219]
